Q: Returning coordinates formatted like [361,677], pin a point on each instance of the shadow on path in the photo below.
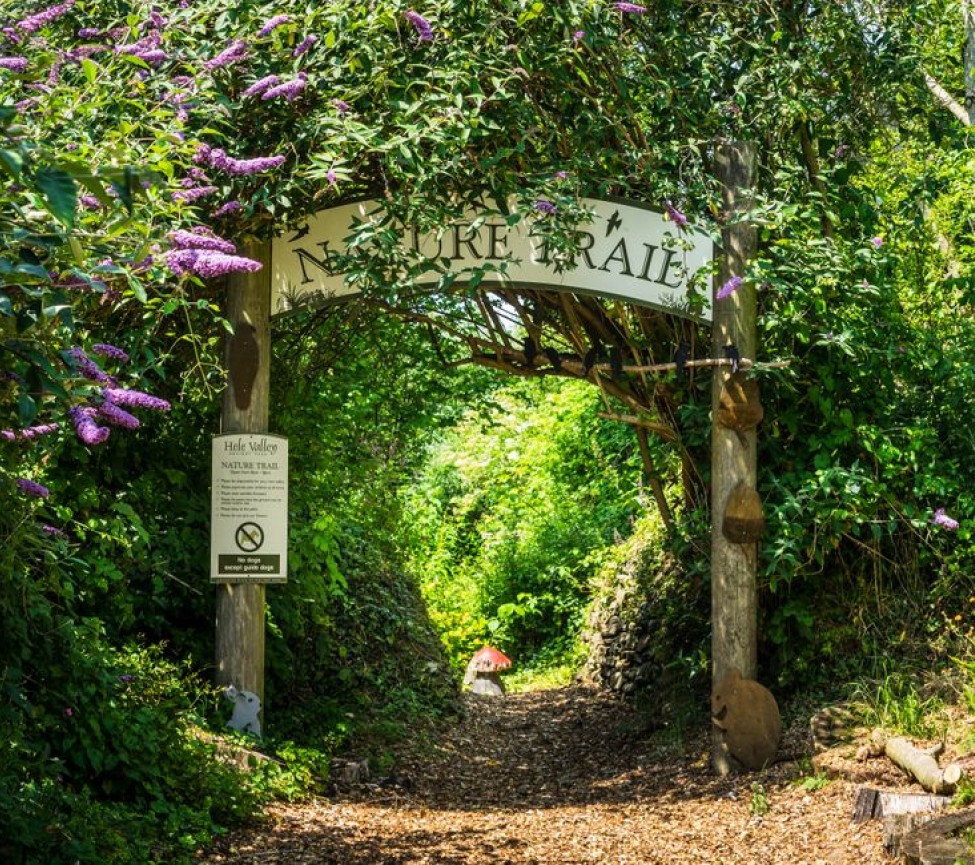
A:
[555,778]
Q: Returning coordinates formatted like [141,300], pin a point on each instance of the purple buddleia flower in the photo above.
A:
[190,195]
[32,488]
[341,106]
[877,242]
[117,416]
[14,64]
[241,167]
[289,89]
[35,22]
[579,35]
[82,51]
[194,240]
[86,199]
[156,19]
[88,368]
[304,45]
[234,53]
[54,531]
[33,432]
[423,29]
[111,351]
[207,263]
[89,33]
[272,24]
[729,288]
[8,434]
[942,519]
[134,399]
[90,433]
[543,206]
[146,43]
[25,105]
[633,8]
[260,85]
[229,207]
[153,57]
[331,177]
[674,215]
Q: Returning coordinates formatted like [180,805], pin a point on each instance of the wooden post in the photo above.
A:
[240,606]
[734,596]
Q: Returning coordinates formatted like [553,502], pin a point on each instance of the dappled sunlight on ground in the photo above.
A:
[564,776]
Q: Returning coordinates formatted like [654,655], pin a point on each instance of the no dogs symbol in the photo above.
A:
[249,537]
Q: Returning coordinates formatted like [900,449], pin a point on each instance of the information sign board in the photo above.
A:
[249,509]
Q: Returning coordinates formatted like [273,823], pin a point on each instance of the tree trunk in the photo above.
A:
[240,606]
[733,453]
[968,14]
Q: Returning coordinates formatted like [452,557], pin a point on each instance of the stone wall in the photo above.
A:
[646,624]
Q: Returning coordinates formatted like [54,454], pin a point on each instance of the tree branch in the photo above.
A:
[946,99]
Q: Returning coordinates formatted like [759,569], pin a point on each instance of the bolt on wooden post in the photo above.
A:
[239,651]
[733,453]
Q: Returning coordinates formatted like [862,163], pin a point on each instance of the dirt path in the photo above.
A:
[557,778]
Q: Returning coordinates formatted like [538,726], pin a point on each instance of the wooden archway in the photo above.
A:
[618,342]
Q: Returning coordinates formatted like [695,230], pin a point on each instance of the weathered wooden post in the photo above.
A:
[240,606]
[733,453]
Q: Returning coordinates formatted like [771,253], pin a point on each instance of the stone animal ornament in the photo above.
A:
[748,716]
[247,707]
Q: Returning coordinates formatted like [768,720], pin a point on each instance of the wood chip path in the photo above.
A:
[557,778]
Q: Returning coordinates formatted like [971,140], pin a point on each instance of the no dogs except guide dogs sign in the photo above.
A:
[249,509]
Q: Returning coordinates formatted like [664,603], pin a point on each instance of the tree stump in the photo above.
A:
[936,842]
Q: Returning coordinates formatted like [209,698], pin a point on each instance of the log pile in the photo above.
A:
[904,814]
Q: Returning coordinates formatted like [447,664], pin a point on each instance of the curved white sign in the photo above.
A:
[627,251]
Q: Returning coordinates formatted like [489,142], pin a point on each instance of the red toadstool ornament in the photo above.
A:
[482,671]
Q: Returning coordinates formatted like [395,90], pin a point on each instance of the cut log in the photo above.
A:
[872,804]
[923,766]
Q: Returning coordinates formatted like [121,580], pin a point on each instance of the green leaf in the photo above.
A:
[26,409]
[12,162]
[77,251]
[90,68]
[60,192]
[138,289]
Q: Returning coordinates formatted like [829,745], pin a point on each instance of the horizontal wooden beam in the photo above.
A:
[662,430]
